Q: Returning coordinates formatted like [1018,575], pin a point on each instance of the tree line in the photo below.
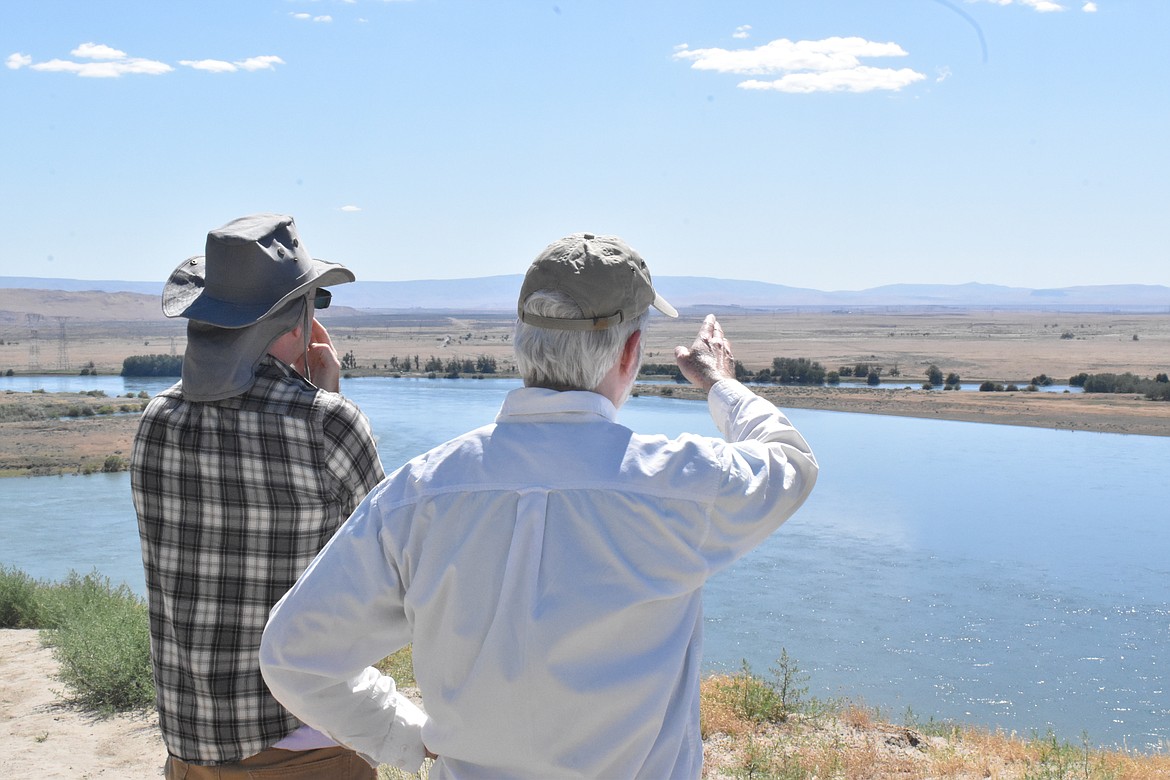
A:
[1156,389]
[153,365]
[783,371]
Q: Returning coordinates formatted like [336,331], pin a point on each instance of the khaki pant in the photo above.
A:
[335,763]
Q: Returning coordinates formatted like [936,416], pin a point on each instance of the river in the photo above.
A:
[989,574]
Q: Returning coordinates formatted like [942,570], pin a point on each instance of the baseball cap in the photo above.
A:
[607,279]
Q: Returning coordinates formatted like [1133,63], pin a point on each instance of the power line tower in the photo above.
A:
[34,346]
[63,345]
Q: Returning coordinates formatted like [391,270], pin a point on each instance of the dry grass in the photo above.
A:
[848,740]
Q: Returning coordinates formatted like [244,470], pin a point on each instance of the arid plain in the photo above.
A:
[77,331]
[73,329]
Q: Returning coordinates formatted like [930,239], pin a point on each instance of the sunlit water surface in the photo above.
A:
[1003,576]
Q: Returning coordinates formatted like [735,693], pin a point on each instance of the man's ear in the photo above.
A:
[631,352]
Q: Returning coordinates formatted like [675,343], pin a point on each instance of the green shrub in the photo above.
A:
[101,638]
[20,597]
[768,701]
[115,463]
[100,635]
[797,371]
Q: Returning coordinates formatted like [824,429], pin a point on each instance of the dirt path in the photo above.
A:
[41,736]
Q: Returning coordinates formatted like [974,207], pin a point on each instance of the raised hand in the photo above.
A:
[709,357]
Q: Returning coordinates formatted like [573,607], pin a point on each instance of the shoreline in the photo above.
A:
[44,735]
[1090,412]
[50,447]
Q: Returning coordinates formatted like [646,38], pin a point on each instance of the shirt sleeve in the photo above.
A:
[344,614]
[768,472]
[351,454]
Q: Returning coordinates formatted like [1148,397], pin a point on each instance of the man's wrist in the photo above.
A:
[707,381]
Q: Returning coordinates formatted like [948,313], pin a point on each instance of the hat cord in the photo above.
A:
[308,334]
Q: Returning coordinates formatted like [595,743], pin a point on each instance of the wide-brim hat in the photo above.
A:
[252,266]
[606,278]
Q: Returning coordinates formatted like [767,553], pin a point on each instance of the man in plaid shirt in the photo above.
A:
[241,473]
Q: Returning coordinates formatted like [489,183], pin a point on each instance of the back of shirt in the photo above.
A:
[548,570]
[234,498]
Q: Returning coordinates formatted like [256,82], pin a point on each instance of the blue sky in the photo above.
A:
[834,144]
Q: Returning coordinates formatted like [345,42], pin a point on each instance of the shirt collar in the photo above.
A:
[539,404]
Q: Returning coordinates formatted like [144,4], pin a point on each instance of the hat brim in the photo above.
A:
[664,307]
[184,294]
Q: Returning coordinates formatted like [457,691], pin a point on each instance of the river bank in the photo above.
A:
[43,445]
[43,735]
[1095,412]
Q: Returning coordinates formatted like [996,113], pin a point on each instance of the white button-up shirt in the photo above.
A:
[548,570]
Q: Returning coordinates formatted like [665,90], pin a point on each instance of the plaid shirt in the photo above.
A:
[234,499]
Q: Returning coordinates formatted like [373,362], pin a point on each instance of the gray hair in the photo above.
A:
[568,359]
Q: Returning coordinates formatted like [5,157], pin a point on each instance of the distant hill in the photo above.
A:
[498,293]
[79,285]
[21,306]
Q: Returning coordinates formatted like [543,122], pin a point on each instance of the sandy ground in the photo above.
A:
[42,736]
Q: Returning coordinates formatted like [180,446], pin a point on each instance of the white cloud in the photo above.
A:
[105,70]
[785,55]
[101,61]
[1089,8]
[98,51]
[743,31]
[859,79]
[1043,6]
[211,66]
[325,18]
[944,73]
[266,62]
[302,16]
[828,65]
[350,208]
[109,63]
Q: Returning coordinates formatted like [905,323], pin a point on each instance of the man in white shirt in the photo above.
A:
[548,568]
